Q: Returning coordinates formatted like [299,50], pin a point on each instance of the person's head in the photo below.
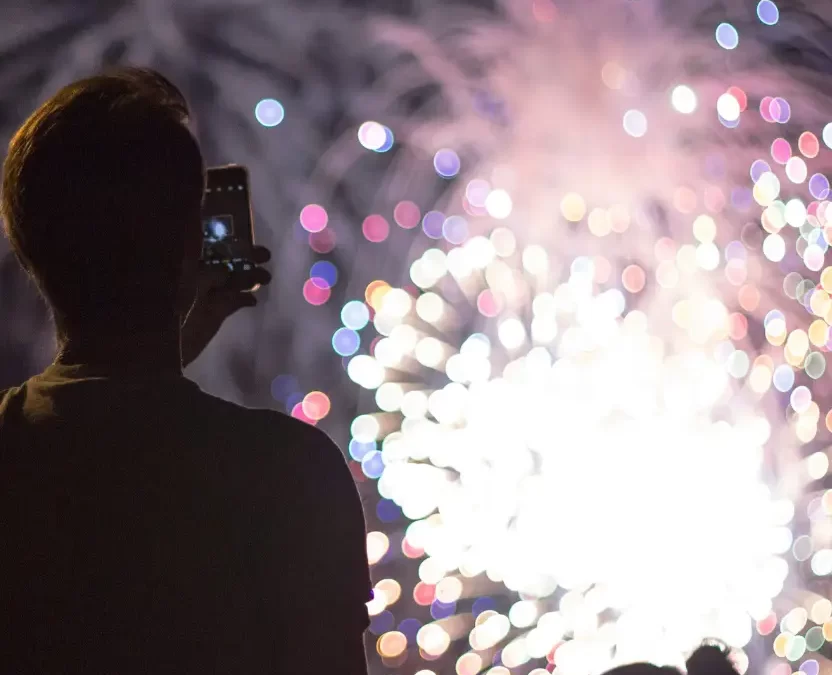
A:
[101,196]
[708,659]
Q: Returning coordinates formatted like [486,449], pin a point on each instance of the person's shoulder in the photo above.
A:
[309,454]
[271,425]
[284,426]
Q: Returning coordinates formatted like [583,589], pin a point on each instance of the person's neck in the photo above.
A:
[144,350]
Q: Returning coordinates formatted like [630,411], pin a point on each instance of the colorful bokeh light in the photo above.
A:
[586,310]
[269,112]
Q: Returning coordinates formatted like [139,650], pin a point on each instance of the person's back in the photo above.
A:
[147,527]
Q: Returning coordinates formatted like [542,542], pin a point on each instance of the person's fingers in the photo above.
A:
[212,277]
[248,279]
[260,255]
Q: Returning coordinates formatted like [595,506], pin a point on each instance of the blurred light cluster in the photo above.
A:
[544,462]
[375,136]
[310,408]
[604,436]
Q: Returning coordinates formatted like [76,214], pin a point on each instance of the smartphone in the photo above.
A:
[227,221]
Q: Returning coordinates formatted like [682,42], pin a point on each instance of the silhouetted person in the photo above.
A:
[147,527]
[708,659]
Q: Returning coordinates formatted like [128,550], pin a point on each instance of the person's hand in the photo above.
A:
[220,293]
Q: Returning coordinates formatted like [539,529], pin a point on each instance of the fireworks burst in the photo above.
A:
[581,386]
[573,452]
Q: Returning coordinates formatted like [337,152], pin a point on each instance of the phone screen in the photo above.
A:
[227,222]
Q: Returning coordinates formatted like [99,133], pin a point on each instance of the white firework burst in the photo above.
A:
[579,388]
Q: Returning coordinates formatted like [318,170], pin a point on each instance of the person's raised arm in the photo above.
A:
[219,294]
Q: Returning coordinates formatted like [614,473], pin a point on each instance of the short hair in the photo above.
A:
[101,193]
